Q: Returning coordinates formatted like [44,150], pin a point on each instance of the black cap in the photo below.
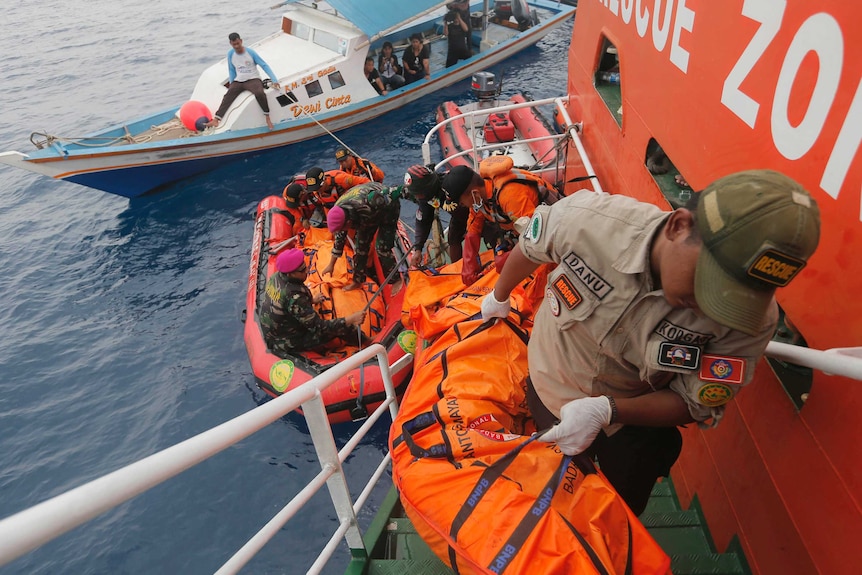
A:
[457,181]
[313,179]
[291,194]
[422,182]
[341,153]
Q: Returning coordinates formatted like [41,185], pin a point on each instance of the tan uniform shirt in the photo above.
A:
[604,329]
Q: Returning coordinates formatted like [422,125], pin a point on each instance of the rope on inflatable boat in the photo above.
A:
[360,408]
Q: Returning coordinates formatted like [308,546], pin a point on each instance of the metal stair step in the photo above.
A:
[662,499]
[665,519]
[706,564]
[430,566]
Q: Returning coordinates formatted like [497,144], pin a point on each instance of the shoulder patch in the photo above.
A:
[774,267]
[591,280]
[552,302]
[714,394]
[723,369]
[678,355]
[567,292]
[534,229]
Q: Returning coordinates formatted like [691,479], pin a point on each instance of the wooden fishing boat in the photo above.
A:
[317,54]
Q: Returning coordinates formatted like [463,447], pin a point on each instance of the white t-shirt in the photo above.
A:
[245,67]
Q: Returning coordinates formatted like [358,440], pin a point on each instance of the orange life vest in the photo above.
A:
[500,171]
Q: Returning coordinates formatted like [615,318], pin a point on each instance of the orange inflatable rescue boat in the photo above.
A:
[480,491]
[362,389]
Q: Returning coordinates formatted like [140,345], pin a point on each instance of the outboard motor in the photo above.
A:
[484,86]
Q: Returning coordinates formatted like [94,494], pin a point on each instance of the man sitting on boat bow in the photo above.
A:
[243,75]
[653,319]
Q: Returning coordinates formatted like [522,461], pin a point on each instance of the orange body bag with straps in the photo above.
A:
[484,495]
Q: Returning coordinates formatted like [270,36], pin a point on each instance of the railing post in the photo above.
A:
[576,138]
[327,453]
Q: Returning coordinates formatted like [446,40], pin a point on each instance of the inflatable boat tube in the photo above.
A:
[531,124]
[277,375]
[454,137]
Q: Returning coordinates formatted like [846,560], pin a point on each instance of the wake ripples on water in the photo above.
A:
[119,327]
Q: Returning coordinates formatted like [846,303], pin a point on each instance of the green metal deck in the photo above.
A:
[396,548]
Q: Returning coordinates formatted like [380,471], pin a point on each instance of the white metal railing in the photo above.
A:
[573,130]
[559,102]
[845,361]
[33,527]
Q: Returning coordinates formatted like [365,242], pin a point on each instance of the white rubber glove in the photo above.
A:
[493,308]
[580,423]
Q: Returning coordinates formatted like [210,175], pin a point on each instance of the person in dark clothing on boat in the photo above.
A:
[389,68]
[287,316]
[653,319]
[458,28]
[243,75]
[425,187]
[416,60]
[373,77]
[369,209]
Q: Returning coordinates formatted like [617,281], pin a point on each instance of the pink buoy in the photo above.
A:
[193,114]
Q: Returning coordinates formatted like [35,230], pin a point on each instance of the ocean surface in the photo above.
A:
[120,329]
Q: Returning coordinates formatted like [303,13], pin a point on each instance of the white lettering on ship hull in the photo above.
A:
[659,22]
[822,35]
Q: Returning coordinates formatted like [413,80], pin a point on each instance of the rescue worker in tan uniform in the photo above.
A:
[653,319]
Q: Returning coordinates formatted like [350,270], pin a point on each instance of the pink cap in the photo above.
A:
[335,219]
[289,261]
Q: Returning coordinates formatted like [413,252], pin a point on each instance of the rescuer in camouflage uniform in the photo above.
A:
[287,316]
[368,208]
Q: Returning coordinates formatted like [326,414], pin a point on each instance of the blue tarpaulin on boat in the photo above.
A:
[375,16]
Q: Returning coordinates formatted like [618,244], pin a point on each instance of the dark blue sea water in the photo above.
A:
[120,329]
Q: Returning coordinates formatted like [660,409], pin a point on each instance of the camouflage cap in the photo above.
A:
[759,228]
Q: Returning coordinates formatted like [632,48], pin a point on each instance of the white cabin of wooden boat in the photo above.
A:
[318,58]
